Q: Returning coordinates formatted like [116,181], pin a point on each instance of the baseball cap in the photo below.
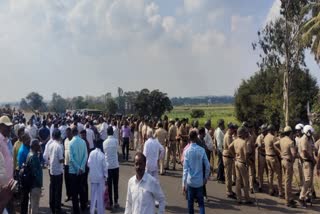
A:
[5,120]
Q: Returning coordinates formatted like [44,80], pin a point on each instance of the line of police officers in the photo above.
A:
[275,154]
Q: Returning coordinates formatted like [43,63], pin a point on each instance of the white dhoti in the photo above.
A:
[97,197]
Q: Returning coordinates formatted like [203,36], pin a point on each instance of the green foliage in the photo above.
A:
[197,113]
[33,101]
[259,99]
[154,103]
[111,106]
[58,104]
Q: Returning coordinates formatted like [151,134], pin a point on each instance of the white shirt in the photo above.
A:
[141,196]
[103,131]
[110,148]
[32,131]
[153,151]
[63,130]
[98,166]
[66,151]
[115,132]
[208,141]
[46,151]
[219,136]
[80,127]
[55,150]
[90,137]
[51,130]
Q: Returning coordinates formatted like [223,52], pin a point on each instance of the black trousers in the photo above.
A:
[113,181]
[77,190]
[55,193]
[125,146]
[24,200]
[67,181]
[220,172]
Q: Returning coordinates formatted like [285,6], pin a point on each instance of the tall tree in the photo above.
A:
[58,104]
[34,101]
[280,42]
[311,29]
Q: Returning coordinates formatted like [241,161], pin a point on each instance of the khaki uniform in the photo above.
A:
[299,161]
[273,163]
[172,146]
[228,161]
[262,164]
[308,166]
[251,159]
[286,147]
[162,136]
[240,147]
[183,133]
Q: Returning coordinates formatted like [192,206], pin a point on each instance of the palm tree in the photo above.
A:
[311,29]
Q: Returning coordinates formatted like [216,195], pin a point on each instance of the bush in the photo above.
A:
[197,113]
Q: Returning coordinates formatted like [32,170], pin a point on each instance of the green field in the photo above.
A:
[213,112]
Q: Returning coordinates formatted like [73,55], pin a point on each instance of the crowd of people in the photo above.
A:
[82,150]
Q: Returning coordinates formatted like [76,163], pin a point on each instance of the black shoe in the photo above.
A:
[231,196]
[302,203]
[233,184]
[260,189]
[248,202]
[116,206]
[293,202]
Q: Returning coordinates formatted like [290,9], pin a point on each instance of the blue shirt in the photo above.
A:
[10,147]
[195,161]
[78,155]
[22,155]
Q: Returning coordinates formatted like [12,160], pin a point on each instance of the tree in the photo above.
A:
[58,104]
[259,99]
[197,113]
[311,29]
[78,103]
[281,45]
[33,101]
[111,106]
[154,103]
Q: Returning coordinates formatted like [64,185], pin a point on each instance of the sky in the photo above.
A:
[91,47]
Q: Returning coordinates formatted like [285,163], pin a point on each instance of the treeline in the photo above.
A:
[207,100]
[142,103]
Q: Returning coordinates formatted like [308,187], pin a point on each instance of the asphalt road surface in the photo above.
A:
[176,203]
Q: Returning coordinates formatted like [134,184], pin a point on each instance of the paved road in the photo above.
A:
[171,184]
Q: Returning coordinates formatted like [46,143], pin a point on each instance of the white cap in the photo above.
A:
[307,129]
[299,127]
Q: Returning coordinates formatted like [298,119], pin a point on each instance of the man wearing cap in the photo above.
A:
[240,148]
[262,165]
[228,160]
[219,136]
[183,135]
[5,129]
[162,136]
[287,151]
[273,163]
[299,134]
[172,145]
[307,156]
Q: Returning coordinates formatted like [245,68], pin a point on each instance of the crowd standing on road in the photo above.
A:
[82,149]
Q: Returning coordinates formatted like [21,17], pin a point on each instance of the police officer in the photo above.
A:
[307,156]
[273,163]
[262,165]
[162,136]
[251,158]
[228,159]
[240,147]
[288,153]
[172,145]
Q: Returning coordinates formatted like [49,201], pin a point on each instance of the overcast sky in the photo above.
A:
[90,47]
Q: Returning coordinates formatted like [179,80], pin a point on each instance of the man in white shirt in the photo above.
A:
[98,174]
[110,148]
[219,137]
[63,129]
[143,190]
[209,143]
[67,179]
[153,151]
[103,129]
[55,151]
[32,130]
[90,137]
